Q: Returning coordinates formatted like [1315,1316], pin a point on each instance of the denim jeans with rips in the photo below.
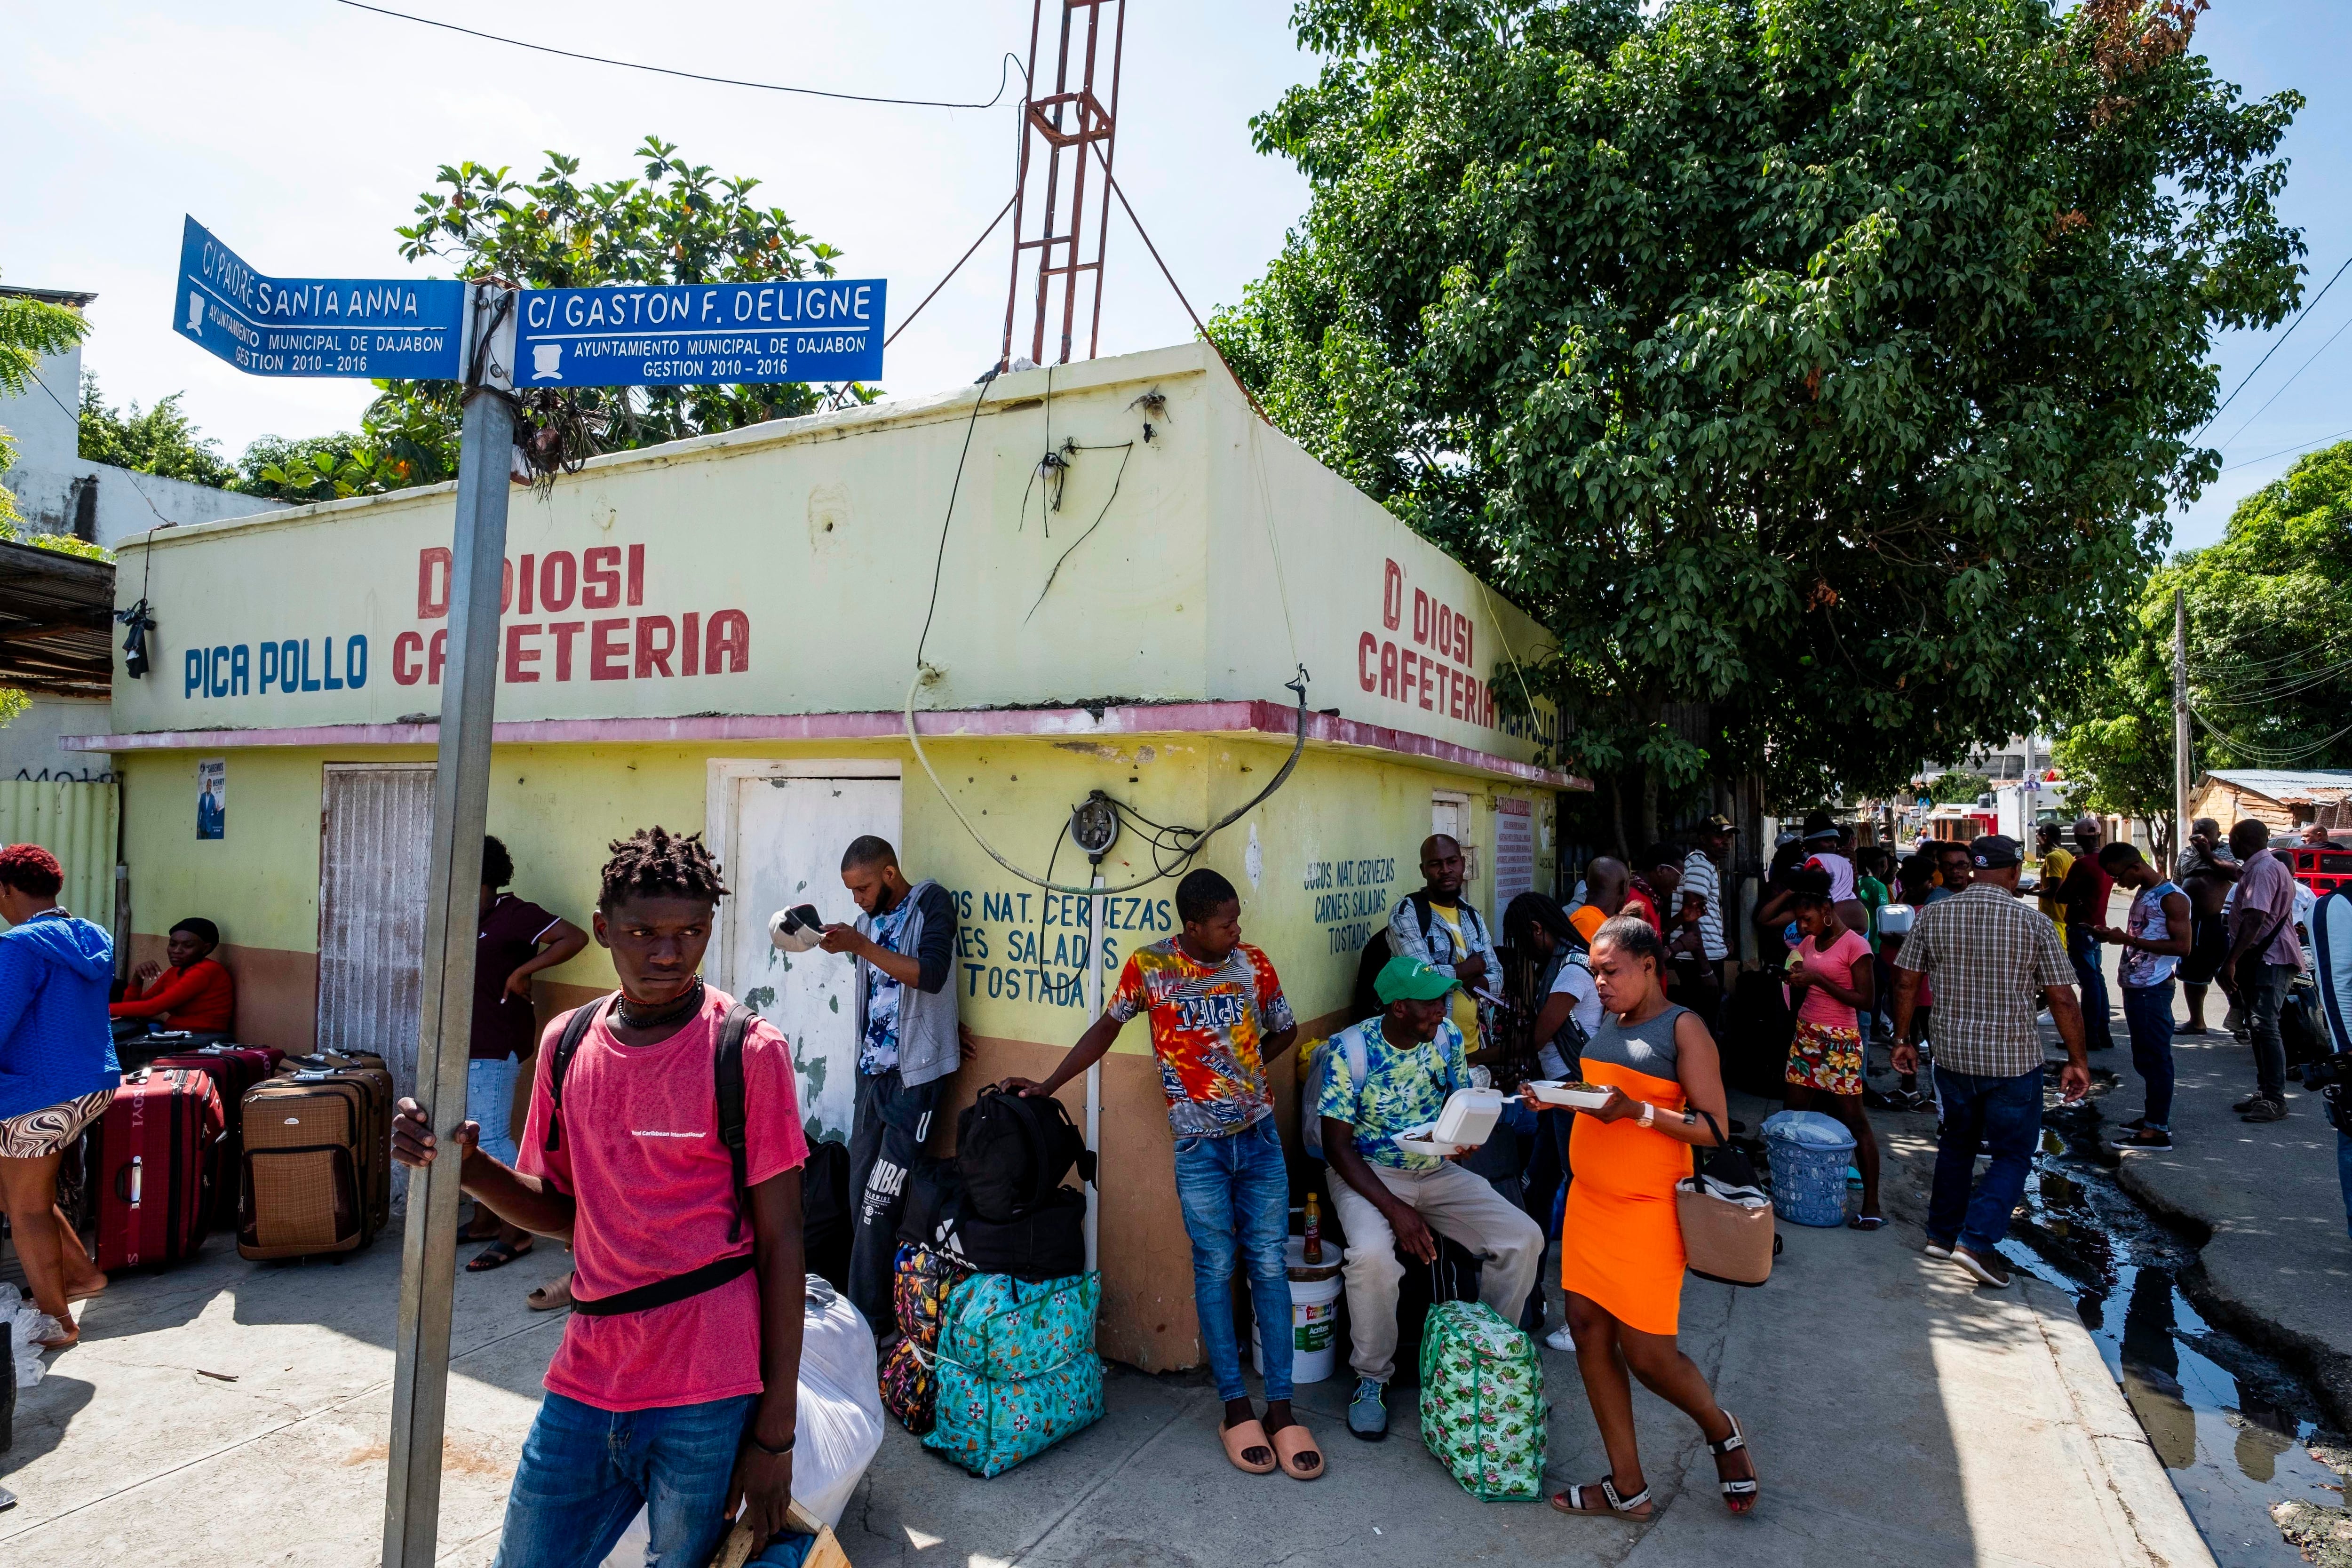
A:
[585,1472]
[2001,1116]
[1235,1194]
[2148,1014]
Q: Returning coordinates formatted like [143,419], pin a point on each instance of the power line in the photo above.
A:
[2275,348]
[2290,381]
[2283,451]
[2269,756]
[1004,77]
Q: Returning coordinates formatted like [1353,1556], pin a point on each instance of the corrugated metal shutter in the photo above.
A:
[375,843]
[76,823]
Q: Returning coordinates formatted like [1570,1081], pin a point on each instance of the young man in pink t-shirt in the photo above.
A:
[1831,981]
[677,1385]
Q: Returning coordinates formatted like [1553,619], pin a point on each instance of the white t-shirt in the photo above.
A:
[1576,979]
[1841,871]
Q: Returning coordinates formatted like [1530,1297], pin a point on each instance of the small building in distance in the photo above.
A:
[2288,799]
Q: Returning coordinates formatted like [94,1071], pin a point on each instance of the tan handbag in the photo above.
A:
[1726,1216]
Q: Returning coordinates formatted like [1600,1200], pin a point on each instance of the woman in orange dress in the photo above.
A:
[1621,1243]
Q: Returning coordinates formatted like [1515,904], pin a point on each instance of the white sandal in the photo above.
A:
[1608,1489]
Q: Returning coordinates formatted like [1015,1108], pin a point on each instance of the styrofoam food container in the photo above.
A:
[1469,1117]
[1551,1091]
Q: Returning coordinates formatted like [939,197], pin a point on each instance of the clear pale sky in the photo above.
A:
[301,131]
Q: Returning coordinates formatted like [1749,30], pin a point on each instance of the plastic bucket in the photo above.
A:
[1314,1328]
[1808,1152]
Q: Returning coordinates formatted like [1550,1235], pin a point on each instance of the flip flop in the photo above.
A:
[1866,1222]
[497,1255]
[1293,1443]
[1239,1440]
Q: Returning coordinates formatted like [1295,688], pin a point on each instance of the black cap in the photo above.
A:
[1995,851]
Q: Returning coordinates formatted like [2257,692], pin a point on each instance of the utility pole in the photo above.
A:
[461,793]
[2182,780]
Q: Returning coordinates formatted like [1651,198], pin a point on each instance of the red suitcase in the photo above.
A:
[232,1070]
[150,1158]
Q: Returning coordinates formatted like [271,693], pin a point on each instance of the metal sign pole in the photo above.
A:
[428,1263]
[2183,781]
[1094,1073]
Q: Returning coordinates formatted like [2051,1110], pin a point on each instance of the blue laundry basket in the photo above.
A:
[1808,1152]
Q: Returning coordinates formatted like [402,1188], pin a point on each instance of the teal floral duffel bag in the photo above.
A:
[1482,1403]
[1016,1368]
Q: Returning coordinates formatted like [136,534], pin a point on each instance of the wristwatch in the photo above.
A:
[1649,1113]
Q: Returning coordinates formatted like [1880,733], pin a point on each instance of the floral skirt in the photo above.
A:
[1826,1057]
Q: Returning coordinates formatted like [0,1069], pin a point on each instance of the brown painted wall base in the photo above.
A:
[276,990]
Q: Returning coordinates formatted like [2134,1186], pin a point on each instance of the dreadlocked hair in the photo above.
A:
[654,862]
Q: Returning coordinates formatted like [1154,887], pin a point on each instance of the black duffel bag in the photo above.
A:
[1046,1242]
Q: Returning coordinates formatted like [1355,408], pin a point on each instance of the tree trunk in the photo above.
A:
[1617,816]
[1649,804]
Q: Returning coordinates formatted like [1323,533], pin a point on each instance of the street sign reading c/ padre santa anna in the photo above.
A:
[313,326]
[677,334]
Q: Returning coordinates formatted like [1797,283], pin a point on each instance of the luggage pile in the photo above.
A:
[994,1301]
[293,1156]
[1482,1403]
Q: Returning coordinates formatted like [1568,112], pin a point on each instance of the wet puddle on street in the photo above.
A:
[2231,1425]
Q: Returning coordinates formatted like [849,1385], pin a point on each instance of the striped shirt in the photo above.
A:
[1989,957]
[1699,876]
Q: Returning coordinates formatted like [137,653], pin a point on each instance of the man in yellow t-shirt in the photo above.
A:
[1455,941]
[2056,861]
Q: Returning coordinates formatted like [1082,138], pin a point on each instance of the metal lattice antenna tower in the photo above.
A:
[1058,132]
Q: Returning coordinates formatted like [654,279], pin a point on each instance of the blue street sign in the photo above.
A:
[313,326]
[681,335]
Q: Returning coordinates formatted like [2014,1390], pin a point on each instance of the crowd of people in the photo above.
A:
[686,1252]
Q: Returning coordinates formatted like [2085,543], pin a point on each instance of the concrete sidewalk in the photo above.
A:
[1897,1416]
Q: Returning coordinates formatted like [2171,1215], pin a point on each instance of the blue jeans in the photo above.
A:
[2004,1117]
[585,1472]
[2343,1174]
[2083,953]
[2148,1013]
[1236,1189]
[490,1098]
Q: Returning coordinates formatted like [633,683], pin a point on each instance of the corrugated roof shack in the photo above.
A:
[719,635]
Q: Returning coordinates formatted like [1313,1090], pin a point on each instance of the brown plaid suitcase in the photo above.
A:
[318,1162]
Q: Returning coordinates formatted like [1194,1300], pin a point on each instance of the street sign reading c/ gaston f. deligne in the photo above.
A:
[690,333]
[313,326]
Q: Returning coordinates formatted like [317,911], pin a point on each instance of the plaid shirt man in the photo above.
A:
[1989,957]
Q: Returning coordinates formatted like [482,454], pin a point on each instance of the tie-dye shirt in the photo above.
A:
[1403,1088]
[1209,1024]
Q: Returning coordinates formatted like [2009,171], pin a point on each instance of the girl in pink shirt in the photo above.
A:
[1830,976]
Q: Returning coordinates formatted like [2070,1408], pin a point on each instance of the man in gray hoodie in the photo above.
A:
[904,947]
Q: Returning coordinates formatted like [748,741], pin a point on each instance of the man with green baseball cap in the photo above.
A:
[1387,1077]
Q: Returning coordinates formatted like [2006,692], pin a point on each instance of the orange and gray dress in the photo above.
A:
[1622,1242]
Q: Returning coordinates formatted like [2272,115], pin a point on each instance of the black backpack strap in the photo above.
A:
[726,1069]
[575,1029]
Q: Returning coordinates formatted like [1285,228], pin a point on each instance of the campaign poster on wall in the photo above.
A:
[212,798]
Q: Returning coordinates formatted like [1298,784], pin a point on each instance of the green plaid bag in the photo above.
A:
[1482,1403]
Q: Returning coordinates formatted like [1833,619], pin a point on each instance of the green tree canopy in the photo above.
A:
[2270,652]
[160,440]
[680,224]
[1828,363]
[1957,787]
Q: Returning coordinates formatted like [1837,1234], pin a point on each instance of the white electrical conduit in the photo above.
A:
[914,739]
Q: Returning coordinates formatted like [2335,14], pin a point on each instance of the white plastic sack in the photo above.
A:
[1807,1128]
[840,1417]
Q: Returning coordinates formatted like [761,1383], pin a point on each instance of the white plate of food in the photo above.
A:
[1566,1092]
[1421,1141]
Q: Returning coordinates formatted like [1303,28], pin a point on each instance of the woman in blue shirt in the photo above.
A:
[57,1071]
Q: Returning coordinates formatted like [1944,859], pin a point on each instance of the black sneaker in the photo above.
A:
[1986,1268]
[2266,1110]
[2257,1098]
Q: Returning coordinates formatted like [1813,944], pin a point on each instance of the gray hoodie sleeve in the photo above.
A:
[936,953]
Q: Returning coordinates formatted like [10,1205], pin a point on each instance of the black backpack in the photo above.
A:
[826,1214]
[1049,1241]
[1013,1151]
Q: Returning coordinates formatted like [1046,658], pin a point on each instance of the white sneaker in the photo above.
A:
[1559,1339]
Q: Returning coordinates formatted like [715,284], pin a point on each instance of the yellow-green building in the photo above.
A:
[721,634]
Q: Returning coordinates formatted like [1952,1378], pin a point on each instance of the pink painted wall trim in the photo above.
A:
[1273,720]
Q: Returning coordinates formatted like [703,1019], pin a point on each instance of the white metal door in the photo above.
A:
[375,849]
[783,838]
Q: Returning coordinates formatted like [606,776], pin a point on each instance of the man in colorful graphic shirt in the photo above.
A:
[1411,1057]
[1218,1017]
